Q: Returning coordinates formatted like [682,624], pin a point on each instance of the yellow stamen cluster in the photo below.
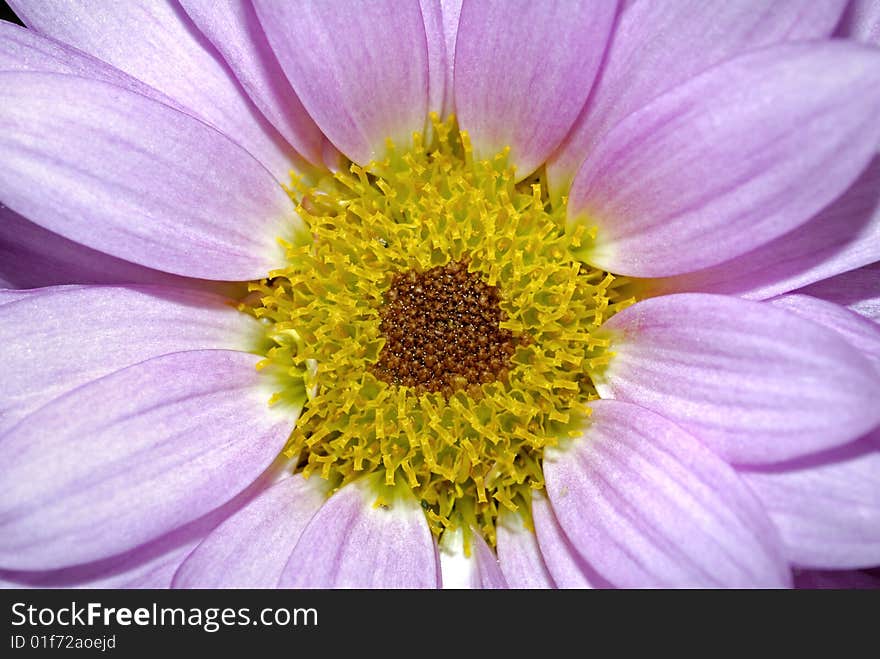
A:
[466,452]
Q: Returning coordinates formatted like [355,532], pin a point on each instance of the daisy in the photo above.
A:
[492,294]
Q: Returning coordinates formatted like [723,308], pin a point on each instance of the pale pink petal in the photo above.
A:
[26,50]
[657,45]
[755,383]
[153,564]
[131,456]
[468,566]
[648,506]
[136,179]
[362,75]
[458,569]
[859,332]
[251,548]
[331,157]
[566,566]
[357,541]
[435,38]
[861,22]
[11,295]
[451,13]
[826,506]
[844,236]
[858,290]
[519,554]
[31,256]
[233,29]
[729,160]
[157,43]
[57,339]
[523,71]
[490,575]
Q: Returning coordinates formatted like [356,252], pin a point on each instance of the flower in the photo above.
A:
[611,322]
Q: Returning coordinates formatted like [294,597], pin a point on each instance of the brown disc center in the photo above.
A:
[441,330]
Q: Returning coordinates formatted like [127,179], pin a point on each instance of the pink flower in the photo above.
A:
[718,159]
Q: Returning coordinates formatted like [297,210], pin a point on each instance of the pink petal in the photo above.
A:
[657,45]
[458,570]
[31,256]
[836,579]
[151,565]
[251,548]
[858,290]
[519,555]
[490,575]
[471,569]
[755,383]
[506,94]
[136,179]
[451,13]
[861,22]
[26,50]
[57,339]
[156,43]
[729,160]
[844,236]
[160,444]
[352,542]
[648,506]
[435,40]
[7,295]
[566,566]
[859,332]
[233,29]
[362,75]
[826,506]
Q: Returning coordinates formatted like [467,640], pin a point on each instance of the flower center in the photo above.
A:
[441,331]
[439,327]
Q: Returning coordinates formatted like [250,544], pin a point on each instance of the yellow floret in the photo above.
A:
[481,448]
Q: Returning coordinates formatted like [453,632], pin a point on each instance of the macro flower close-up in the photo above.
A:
[429,293]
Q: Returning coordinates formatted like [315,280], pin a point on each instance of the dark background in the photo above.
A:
[6,13]
[489,624]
